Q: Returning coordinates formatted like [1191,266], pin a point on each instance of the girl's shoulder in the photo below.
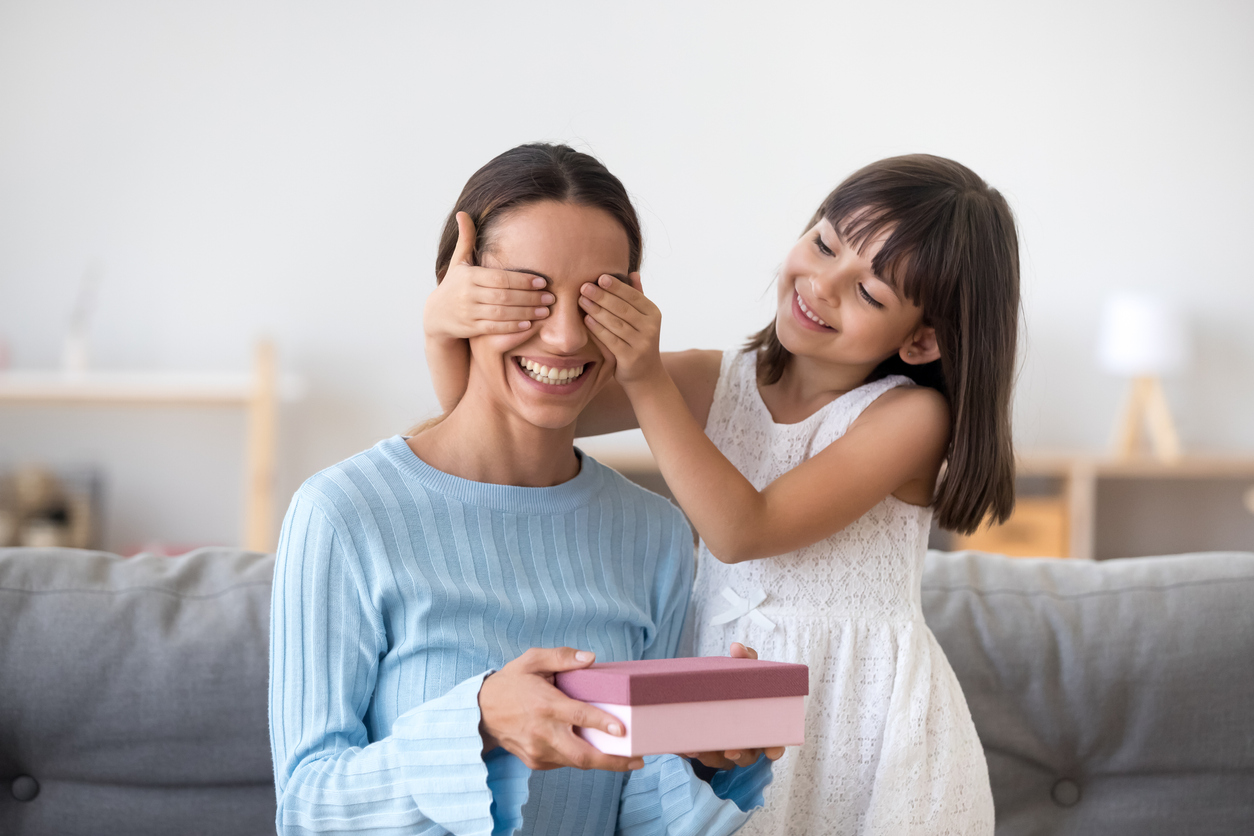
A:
[920,411]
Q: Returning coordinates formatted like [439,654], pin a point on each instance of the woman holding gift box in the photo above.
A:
[809,465]
[416,582]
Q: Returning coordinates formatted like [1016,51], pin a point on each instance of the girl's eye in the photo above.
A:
[868,297]
[823,248]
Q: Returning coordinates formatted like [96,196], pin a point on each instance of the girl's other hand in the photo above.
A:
[471,301]
[523,711]
[737,757]
[623,319]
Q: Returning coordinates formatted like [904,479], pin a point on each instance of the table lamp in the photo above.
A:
[1144,336]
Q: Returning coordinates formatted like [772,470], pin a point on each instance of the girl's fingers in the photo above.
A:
[463,253]
[505,297]
[608,318]
[497,326]
[508,313]
[616,344]
[621,298]
[486,277]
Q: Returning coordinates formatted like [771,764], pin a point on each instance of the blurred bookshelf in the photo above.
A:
[1084,505]
[258,393]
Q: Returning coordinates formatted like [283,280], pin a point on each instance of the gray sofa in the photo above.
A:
[1111,698]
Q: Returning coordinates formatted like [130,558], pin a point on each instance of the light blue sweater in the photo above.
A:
[398,587]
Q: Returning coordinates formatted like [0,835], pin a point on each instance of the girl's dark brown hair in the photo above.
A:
[529,174]
[951,249]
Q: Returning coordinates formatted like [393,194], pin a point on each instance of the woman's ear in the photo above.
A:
[921,347]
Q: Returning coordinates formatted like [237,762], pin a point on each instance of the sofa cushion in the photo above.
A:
[1112,697]
[133,693]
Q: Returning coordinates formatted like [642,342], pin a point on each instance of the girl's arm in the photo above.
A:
[898,441]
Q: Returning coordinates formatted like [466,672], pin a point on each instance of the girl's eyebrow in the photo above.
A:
[622,277]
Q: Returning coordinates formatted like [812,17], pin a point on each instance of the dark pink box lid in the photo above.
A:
[658,681]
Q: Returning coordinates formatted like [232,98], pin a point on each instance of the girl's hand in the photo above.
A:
[623,319]
[471,300]
[737,757]
[524,712]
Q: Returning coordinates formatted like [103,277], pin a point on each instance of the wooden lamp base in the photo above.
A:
[1147,409]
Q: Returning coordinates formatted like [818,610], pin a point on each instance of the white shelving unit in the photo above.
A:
[257,393]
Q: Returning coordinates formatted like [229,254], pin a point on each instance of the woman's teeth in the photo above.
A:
[801,303]
[551,375]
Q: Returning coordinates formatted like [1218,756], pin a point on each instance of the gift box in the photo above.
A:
[701,704]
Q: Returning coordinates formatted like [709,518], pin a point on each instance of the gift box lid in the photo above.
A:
[658,681]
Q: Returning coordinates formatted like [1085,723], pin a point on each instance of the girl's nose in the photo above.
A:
[563,329]
[826,289]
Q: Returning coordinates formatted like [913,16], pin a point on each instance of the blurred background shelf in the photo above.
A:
[1088,506]
[257,392]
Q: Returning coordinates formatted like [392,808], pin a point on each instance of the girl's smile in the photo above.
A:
[806,316]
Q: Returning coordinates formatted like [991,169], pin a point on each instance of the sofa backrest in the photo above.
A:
[1112,697]
[133,693]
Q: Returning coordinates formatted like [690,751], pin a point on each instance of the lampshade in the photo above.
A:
[1142,335]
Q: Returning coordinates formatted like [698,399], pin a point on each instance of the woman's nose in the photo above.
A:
[563,330]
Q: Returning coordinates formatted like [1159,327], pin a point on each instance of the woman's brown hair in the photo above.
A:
[951,248]
[529,174]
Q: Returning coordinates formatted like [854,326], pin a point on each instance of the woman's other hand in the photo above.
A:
[524,712]
[471,301]
[737,757]
[623,319]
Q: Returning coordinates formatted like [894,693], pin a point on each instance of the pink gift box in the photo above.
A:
[702,704]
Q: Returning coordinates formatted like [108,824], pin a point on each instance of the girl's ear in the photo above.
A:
[921,347]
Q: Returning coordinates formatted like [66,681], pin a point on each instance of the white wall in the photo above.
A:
[240,169]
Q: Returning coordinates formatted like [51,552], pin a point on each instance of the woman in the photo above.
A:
[418,584]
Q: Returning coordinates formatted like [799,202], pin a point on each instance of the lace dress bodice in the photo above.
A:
[890,746]
[872,568]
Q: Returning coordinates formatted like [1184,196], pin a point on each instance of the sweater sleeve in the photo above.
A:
[666,796]
[326,638]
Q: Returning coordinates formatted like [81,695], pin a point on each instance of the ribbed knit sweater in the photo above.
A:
[398,588]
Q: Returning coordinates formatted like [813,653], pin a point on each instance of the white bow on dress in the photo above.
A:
[741,607]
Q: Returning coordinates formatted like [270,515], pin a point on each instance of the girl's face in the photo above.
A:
[548,374]
[832,307]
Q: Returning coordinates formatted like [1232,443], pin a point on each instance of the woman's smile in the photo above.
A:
[561,376]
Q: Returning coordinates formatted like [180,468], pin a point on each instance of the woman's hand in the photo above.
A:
[737,757]
[471,301]
[623,319]
[524,712]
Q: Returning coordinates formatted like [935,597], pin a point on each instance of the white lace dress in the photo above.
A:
[890,747]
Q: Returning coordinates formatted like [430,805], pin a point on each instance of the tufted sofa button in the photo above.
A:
[24,788]
[1066,793]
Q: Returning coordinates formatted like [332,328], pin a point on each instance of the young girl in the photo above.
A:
[813,482]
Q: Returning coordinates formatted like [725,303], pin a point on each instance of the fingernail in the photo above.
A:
[538,282]
[731,756]
[548,299]
[605,281]
[523,326]
[615,728]
[584,656]
[541,312]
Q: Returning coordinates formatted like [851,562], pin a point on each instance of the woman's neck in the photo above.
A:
[483,442]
